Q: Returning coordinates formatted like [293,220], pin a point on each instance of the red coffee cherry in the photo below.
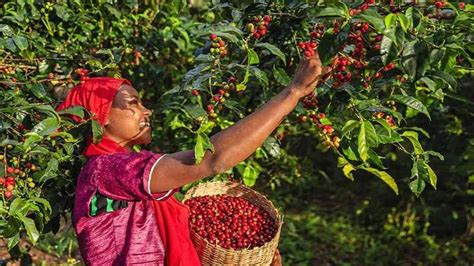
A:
[10,170]
[8,194]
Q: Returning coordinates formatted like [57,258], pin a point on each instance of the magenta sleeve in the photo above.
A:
[127,176]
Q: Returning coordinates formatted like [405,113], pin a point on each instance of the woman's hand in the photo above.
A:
[307,75]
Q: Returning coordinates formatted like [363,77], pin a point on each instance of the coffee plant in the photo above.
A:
[390,63]
[202,68]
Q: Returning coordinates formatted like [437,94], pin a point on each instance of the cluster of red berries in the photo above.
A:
[462,5]
[364,6]
[218,46]
[259,27]
[308,48]
[310,101]
[9,183]
[9,70]
[230,222]
[327,130]
[18,169]
[340,72]
[388,118]
[222,90]
[386,68]
[82,72]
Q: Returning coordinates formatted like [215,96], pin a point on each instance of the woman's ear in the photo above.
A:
[107,123]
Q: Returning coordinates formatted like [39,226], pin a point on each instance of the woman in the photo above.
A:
[124,211]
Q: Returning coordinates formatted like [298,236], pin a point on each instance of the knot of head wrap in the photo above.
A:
[96,95]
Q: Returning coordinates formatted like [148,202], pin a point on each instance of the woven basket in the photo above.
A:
[212,254]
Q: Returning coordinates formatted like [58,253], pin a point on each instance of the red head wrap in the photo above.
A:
[96,95]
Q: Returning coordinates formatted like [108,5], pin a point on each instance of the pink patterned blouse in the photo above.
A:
[113,212]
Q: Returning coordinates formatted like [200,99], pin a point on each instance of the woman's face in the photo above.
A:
[128,122]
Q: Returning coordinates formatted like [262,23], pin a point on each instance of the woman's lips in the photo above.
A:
[144,124]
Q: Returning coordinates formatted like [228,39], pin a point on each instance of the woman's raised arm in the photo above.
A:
[237,142]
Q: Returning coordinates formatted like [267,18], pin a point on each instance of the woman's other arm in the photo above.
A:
[237,142]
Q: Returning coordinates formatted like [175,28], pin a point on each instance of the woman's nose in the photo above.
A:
[147,111]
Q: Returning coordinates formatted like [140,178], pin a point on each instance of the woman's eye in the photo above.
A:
[133,102]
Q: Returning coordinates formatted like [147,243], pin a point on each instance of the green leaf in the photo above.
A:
[229,36]
[374,18]
[418,129]
[417,186]
[31,137]
[412,103]
[50,171]
[74,110]
[203,143]
[350,154]
[240,87]
[6,30]
[385,47]
[375,159]
[404,23]
[412,136]
[273,49]
[341,161]
[385,134]
[390,20]
[280,76]
[347,170]
[9,44]
[445,77]
[369,136]
[252,57]
[409,59]
[44,202]
[431,84]
[195,110]
[330,12]
[46,126]
[384,176]
[349,126]
[96,131]
[362,146]
[260,75]
[21,42]
[30,227]
[16,206]
[433,153]
[250,175]
[13,241]
[431,174]
[328,48]
[272,147]
[409,18]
